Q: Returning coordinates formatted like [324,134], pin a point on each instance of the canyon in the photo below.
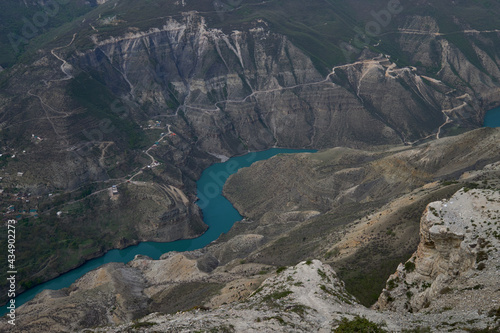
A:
[145,97]
[235,270]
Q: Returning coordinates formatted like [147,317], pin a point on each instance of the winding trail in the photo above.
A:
[436,34]
[369,62]
[268,91]
[103,151]
[448,120]
[124,180]
[153,160]
[66,70]
[65,65]
[49,118]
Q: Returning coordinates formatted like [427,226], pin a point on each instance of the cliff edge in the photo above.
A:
[456,266]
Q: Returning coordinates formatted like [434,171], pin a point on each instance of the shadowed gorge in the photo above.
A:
[110,110]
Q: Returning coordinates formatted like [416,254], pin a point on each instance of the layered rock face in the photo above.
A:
[221,92]
[456,264]
[254,87]
[421,39]
[227,93]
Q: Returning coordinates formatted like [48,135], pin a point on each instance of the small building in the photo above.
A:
[114,189]
[20,174]
[59,213]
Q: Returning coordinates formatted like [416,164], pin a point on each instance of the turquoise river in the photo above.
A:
[492,118]
[218,213]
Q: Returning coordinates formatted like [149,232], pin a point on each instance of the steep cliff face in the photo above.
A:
[456,264]
[94,97]
[225,90]
[466,60]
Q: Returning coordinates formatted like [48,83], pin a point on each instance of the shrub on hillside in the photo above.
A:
[358,325]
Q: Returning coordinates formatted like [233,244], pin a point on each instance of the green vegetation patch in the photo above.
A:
[277,295]
[409,266]
[108,114]
[280,269]
[358,325]
[143,324]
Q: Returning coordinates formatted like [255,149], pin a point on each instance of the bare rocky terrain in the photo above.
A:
[238,284]
[96,97]
[455,267]
[452,284]
[146,95]
[375,196]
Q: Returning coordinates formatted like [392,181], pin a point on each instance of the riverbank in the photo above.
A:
[218,213]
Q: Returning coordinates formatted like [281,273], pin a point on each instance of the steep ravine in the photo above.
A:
[255,88]
[219,92]
[230,269]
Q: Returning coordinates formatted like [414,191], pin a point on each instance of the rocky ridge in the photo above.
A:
[309,296]
[222,92]
[306,297]
[377,195]
[457,259]
[225,84]
[456,265]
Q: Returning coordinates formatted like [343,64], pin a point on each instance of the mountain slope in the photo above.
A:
[304,297]
[131,84]
[359,211]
